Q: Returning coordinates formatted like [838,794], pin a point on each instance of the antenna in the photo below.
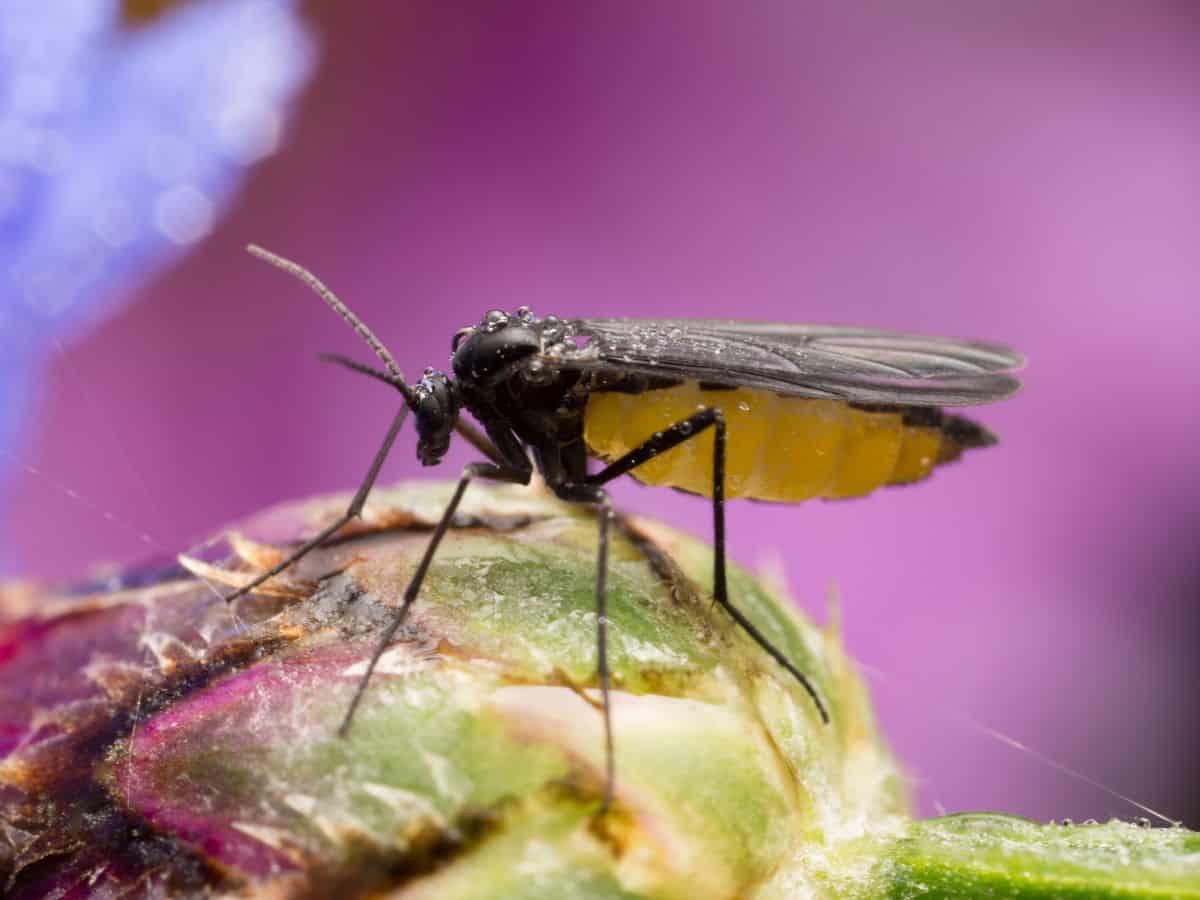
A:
[302,274]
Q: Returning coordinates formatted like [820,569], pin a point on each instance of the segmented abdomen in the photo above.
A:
[778,448]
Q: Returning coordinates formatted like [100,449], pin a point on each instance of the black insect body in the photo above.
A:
[719,408]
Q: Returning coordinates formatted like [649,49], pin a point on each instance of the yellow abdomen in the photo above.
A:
[785,449]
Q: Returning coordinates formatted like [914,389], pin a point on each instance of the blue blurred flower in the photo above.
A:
[120,143]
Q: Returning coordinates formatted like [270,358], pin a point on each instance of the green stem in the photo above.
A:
[985,855]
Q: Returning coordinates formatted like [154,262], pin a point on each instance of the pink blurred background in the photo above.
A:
[1027,174]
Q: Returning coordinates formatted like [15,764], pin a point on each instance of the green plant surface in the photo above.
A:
[155,738]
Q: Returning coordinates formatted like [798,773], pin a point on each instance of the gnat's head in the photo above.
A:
[435,406]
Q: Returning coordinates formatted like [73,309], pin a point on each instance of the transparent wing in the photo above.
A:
[854,364]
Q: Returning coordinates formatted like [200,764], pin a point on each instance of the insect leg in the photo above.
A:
[472,470]
[592,494]
[352,511]
[663,441]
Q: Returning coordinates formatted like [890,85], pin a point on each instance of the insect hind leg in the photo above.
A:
[682,431]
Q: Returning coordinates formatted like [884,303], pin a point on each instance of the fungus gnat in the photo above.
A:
[718,408]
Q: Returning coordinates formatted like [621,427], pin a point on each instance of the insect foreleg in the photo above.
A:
[663,441]
[352,511]
[472,470]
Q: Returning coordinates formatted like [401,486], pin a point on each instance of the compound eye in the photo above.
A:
[458,338]
[494,320]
